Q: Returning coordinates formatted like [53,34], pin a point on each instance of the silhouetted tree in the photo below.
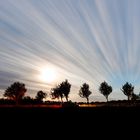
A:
[65,88]
[41,95]
[27,100]
[105,89]
[15,92]
[56,93]
[135,97]
[84,92]
[128,90]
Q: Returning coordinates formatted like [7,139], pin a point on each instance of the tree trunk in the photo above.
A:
[87,100]
[128,98]
[67,99]
[61,100]
[17,101]
[107,98]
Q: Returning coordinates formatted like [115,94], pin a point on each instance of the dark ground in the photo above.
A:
[72,112]
[73,121]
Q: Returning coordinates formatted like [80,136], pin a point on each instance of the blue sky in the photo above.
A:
[83,40]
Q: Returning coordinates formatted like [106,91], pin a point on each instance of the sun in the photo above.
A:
[48,74]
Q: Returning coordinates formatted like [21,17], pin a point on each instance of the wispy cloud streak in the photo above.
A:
[86,41]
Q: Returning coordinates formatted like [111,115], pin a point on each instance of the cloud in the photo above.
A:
[86,41]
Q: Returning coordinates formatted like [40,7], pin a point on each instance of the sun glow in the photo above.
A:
[48,74]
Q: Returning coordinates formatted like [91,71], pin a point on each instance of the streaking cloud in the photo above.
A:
[85,41]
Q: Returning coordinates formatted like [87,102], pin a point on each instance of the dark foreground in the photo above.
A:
[69,111]
[91,118]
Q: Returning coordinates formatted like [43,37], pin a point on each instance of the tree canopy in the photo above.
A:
[128,90]
[84,91]
[105,89]
[15,92]
[65,88]
[61,90]
[41,95]
[56,93]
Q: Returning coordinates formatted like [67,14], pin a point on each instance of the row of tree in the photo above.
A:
[63,90]
[17,91]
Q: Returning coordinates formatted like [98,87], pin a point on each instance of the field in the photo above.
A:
[55,116]
[82,108]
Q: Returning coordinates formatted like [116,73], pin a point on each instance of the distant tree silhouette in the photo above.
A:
[27,100]
[65,89]
[61,90]
[135,97]
[41,95]
[105,89]
[15,92]
[84,92]
[128,90]
[56,93]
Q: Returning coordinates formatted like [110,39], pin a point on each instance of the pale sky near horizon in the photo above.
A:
[81,40]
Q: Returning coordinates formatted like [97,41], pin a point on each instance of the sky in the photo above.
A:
[81,40]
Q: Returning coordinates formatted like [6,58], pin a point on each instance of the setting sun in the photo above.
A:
[48,74]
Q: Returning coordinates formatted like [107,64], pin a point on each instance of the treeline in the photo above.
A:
[15,93]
